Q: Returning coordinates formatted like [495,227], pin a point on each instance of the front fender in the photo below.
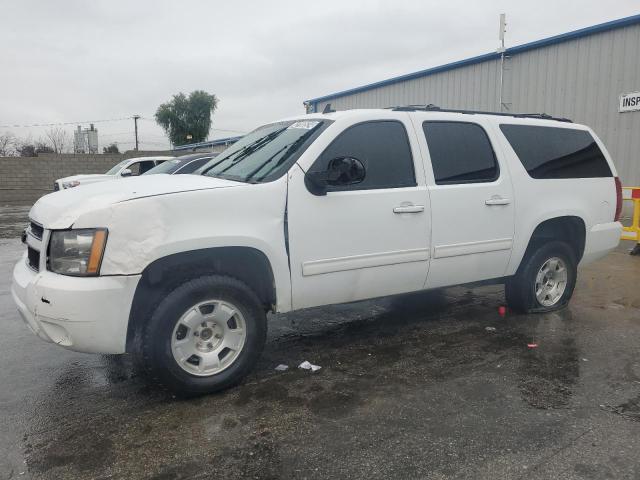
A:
[144,230]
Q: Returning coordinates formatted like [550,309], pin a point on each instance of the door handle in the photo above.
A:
[497,200]
[409,209]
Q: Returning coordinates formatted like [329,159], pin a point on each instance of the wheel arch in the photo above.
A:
[567,228]
[246,264]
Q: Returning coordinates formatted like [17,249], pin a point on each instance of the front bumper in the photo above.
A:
[88,314]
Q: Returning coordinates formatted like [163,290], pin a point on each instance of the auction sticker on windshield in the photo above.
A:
[304,124]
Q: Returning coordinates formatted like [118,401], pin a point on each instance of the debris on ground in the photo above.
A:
[629,409]
[282,367]
[490,329]
[309,366]
[532,345]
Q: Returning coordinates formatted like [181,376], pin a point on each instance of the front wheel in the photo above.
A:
[545,280]
[205,336]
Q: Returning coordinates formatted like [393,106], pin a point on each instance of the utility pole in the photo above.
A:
[135,125]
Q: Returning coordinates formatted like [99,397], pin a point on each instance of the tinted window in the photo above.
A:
[382,147]
[139,168]
[551,152]
[193,165]
[460,153]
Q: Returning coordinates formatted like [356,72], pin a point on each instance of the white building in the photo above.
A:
[85,140]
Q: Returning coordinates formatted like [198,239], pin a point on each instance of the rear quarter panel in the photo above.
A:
[536,200]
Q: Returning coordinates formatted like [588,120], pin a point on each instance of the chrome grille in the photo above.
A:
[36,230]
[33,258]
[34,236]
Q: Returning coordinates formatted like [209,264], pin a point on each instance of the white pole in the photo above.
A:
[503,29]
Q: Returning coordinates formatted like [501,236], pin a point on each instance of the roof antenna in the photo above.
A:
[327,109]
[501,51]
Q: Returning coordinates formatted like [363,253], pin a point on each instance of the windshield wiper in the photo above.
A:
[292,147]
[244,151]
[252,147]
[266,162]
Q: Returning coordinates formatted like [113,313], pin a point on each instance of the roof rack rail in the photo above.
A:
[434,108]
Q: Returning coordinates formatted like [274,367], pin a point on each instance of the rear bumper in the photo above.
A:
[601,239]
[82,314]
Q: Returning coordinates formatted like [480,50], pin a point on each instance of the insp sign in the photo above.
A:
[629,102]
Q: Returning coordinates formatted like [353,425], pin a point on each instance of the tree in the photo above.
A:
[113,148]
[42,146]
[27,150]
[26,147]
[7,144]
[58,139]
[187,119]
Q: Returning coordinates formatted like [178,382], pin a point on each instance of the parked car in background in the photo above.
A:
[131,167]
[312,211]
[181,165]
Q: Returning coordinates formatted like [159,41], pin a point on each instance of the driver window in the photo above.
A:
[139,168]
[382,147]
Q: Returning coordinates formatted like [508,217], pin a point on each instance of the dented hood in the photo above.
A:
[61,209]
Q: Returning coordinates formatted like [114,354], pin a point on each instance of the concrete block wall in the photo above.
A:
[25,179]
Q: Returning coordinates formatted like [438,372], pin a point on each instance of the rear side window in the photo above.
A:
[460,153]
[383,148]
[551,152]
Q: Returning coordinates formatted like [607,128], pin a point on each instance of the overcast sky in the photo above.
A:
[69,61]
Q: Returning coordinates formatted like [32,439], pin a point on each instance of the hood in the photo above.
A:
[96,177]
[60,209]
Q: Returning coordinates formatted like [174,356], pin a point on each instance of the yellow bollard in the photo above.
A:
[632,232]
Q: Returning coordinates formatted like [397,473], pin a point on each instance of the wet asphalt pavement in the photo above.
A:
[413,386]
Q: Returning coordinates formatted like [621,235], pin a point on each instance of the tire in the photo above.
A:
[207,318]
[520,290]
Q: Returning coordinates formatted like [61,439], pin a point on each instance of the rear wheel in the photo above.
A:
[205,336]
[545,280]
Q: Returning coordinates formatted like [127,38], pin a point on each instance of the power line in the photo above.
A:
[114,134]
[216,129]
[66,123]
[100,121]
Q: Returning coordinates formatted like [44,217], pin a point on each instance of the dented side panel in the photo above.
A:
[143,230]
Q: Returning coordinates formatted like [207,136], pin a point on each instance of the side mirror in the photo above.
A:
[345,171]
[340,172]
[126,172]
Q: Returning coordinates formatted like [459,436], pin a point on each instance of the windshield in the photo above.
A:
[115,169]
[169,166]
[266,153]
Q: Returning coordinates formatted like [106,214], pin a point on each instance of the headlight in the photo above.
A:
[71,184]
[77,252]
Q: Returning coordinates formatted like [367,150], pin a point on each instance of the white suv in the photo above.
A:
[318,210]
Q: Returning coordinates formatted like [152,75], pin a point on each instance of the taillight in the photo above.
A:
[618,199]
